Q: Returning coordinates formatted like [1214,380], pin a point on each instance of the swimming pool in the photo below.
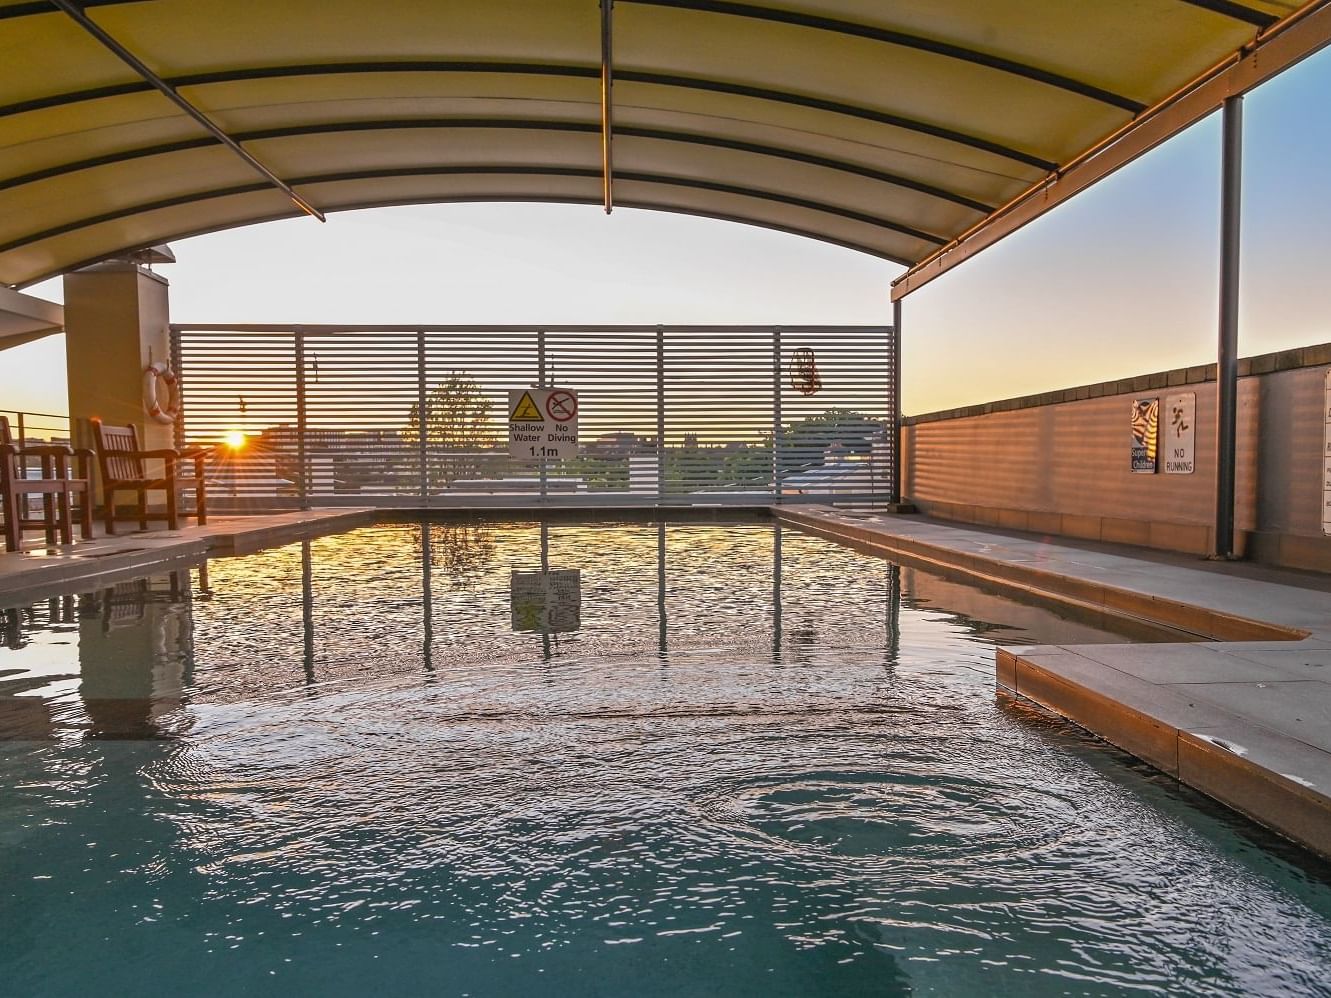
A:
[720,759]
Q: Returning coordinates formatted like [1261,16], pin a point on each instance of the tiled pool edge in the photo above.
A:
[28,577]
[1274,774]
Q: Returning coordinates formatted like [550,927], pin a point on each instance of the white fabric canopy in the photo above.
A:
[889,127]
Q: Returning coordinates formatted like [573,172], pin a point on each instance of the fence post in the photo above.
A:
[422,420]
[778,430]
[302,474]
[22,442]
[660,415]
[540,383]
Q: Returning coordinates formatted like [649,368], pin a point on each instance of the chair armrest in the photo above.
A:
[48,450]
[164,454]
[196,451]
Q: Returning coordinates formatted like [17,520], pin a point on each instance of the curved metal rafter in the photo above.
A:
[377,125]
[43,7]
[438,171]
[1237,11]
[500,199]
[539,69]
[903,39]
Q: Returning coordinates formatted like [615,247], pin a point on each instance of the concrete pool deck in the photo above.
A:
[1245,719]
[37,568]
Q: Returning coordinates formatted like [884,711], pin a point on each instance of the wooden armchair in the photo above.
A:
[57,487]
[121,463]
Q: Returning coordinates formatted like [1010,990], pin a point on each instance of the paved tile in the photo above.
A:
[1300,709]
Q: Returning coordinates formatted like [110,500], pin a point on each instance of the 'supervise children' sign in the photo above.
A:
[543,424]
[1145,434]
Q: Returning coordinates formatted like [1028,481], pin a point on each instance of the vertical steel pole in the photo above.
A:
[303,474]
[540,383]
[422,419]
[660,415]
[894,413]
[778,473]
[1227,366]
[607,104]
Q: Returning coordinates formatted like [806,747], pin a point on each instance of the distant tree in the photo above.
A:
[853,431]
[457,429]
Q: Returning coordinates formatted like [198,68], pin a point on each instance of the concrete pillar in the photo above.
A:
[116,324]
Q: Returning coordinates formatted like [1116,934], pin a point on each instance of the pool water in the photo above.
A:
[721,760]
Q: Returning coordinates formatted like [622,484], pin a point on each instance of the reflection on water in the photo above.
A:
[134,644]
[760,764]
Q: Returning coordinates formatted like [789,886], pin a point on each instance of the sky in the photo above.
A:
[1121,280]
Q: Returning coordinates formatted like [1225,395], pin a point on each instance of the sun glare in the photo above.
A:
[234,439]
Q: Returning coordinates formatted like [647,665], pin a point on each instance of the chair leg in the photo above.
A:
[200,493]
[109,510]
[10,503]
[85,514]
[66,518]
[49,522]
[172,509]
[143,509]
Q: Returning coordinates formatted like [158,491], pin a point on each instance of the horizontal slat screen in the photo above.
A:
[723,414]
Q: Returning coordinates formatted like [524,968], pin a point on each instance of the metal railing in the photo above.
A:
[668,414]
[37,427]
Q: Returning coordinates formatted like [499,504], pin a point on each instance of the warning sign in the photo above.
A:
[525,411]
[543,424]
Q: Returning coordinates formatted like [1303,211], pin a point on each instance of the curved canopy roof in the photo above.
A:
[889,127]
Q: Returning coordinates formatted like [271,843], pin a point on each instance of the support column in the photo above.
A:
[1227,366]
[117,319]
[894,386]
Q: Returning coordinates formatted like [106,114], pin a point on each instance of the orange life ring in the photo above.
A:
[154,373]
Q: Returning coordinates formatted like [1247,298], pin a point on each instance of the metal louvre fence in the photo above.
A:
[417,415]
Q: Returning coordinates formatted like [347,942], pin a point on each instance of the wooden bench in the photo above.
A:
[122,465]
[57,486]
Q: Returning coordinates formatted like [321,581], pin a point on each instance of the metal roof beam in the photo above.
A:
[540,69]
[44,7]
[376,125]
[513,199]
[919,43]
[1237,11]
[1295,38]
[526,171]
[77,14]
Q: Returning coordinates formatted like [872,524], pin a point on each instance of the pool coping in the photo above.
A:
[1245,718]
[34,574]
[37,572]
